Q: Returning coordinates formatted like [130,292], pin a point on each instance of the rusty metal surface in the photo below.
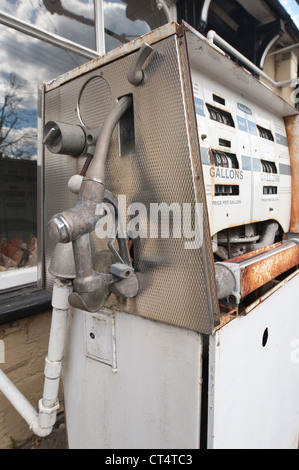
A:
[292,128]
[152,37]
[230,312]
[270,292]
[257,271]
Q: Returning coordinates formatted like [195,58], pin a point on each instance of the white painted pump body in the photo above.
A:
[142,388]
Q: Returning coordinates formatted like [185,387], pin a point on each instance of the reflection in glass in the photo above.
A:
[25,62]
[129,19]
[71,19]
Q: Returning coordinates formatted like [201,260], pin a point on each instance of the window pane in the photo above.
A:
[71,19]
[127,20]
[25,62]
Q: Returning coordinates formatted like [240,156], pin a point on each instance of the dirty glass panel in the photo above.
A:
[71,19]
[129,19]
[24,63]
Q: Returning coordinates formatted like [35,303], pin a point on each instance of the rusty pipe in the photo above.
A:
[241,276]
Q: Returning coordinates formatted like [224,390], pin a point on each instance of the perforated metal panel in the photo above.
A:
[176,284]
[94,102]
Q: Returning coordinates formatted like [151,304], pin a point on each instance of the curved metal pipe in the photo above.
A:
[268,235]
[212,37]
[73,223]
[96,169]
[135,72]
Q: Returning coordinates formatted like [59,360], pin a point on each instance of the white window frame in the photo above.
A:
[169,7]
[17,277]
[43,35]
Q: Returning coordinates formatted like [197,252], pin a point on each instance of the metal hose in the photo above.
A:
[97,166]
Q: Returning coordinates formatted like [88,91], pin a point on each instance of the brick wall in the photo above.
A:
[25,346]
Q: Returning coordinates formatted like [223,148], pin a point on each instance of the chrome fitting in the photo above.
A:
[59,229]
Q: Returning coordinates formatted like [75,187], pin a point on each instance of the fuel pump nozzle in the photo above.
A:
[76,224]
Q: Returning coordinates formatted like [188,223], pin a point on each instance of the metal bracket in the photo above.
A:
[228,280]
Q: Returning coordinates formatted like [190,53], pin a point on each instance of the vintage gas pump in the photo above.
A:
[167,228]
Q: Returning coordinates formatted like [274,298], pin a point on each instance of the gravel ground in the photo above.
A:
[56,440]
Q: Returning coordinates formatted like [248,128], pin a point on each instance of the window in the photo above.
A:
[127,20]
[25,61]
[35,47]
[71,19]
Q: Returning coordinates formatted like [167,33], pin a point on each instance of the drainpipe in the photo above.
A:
[212,37]
[41,422]
[285,49]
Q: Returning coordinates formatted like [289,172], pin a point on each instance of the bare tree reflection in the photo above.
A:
[16,137]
